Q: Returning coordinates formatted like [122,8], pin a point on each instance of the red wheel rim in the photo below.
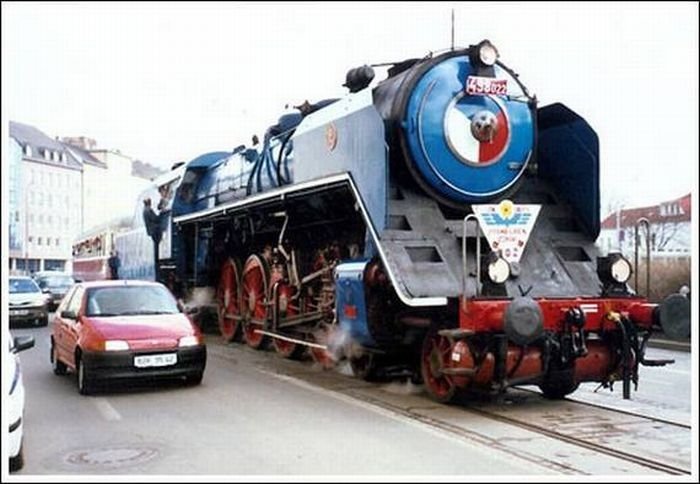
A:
[286,349]
[228,296]
[254,299]
[322,356]
[435,356]
[285,309]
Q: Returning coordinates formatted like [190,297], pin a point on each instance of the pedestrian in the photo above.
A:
[114,264]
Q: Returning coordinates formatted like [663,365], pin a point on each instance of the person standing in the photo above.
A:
[152,222]
[114,263]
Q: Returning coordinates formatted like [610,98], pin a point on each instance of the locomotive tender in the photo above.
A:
[439,220]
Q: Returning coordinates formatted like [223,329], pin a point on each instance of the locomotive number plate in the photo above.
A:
[484,86]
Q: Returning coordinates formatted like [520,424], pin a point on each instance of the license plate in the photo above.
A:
[484,86]
[18,312]
[165,359]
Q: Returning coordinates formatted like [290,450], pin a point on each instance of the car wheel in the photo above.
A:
[17,462]
[84,379]
[59,368]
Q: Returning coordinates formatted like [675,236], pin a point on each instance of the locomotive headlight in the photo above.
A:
[488,54]
[614,270]
[499,270]
[621,270]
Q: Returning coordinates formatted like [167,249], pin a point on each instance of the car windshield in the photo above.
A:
[22,286]
[130,300]
[55,281]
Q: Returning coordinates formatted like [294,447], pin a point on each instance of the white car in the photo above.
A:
[13,388]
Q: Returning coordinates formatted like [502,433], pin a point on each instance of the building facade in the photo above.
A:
[58,190]
[44,196]
[669,223]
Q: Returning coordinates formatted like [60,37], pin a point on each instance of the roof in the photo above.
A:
[674,211]
[84,156]
[25,135]
[118,282]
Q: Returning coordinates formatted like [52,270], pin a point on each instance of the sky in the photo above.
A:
[167,82]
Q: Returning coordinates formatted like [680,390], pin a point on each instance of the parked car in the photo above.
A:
[27,302]
[55,285]
[122,329]
[13,389]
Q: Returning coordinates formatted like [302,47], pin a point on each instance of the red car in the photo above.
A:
[124,329]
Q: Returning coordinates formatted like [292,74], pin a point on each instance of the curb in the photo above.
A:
[669,345]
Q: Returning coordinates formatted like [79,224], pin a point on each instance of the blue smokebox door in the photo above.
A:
[467,147]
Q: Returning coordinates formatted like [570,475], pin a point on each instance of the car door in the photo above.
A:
[58,329]
[69,326]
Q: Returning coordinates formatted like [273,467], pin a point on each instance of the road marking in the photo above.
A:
[106,410]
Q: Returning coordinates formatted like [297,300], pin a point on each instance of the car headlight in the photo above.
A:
[621,270]
[116,345]
[488,54]
[499,270]
[186,341]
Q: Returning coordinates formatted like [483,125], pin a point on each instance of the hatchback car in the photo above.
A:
[55,285]
[108,330]
[27,302]
[13,389]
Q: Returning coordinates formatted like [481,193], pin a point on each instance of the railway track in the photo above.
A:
[593,439]
[641,460]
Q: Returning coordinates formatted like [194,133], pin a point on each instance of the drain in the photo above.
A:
[111,456]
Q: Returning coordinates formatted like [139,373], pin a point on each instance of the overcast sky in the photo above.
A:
[165,82]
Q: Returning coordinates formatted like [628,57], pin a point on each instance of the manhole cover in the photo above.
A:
[111,456]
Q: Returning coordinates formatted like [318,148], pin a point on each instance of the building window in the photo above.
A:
[58,241]
[47,155]
[63,157]
[38,241]
[54,265]
[27,150]
[31,239]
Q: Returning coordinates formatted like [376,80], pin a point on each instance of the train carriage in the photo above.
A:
[437,221]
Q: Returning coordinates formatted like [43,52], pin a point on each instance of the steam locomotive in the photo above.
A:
[437,221]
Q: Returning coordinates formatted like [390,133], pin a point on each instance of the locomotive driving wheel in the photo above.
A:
[254,291]
[435,356]
[286,309]
[229,299]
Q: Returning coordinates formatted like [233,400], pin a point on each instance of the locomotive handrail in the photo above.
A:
[641,221]
[469,217]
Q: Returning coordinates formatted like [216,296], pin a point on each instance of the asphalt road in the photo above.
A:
[243,420]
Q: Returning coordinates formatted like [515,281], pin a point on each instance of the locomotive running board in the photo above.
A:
[314,185]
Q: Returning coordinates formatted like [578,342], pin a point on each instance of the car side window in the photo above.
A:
[64,303]
[76,300]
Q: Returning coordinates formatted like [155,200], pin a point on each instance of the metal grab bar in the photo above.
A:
[641,221]
[469,217]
